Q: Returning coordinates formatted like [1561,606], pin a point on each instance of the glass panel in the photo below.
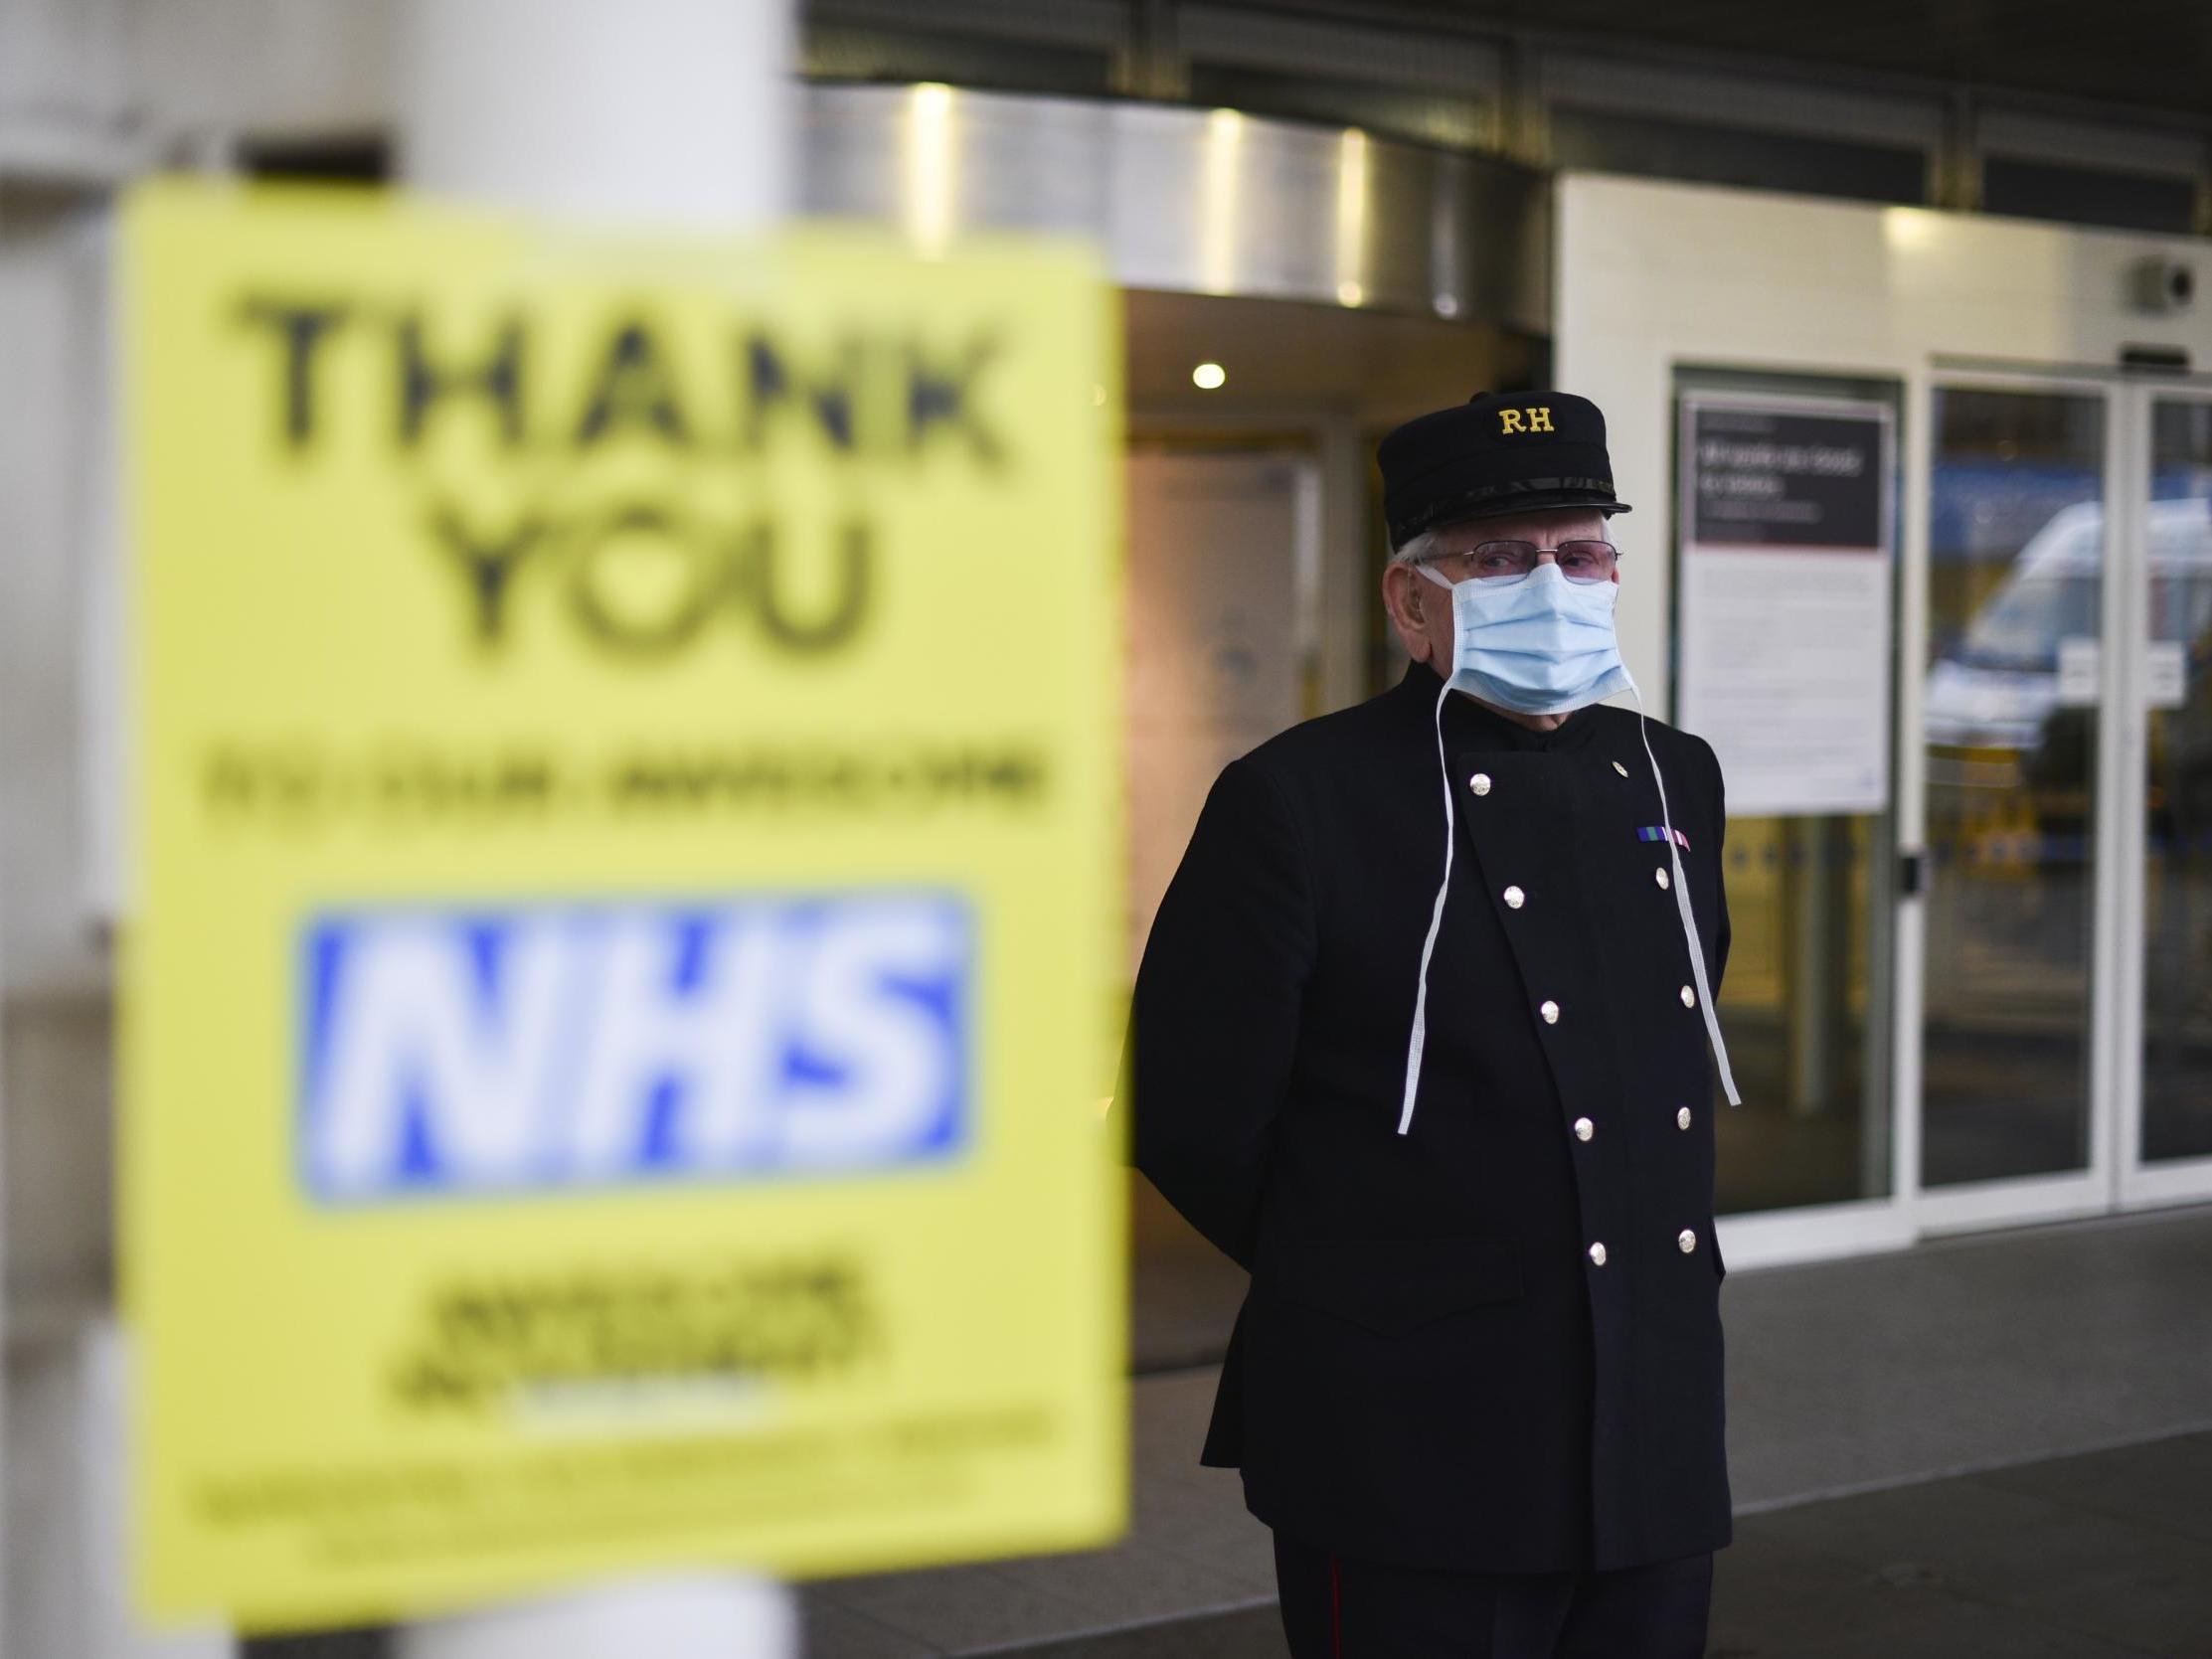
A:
[1807,1000]
[2178,894]
[2016,558]
[1217,536]
[2088,195]
[833,49]
[1658,147]
[1450,119]
[1805,1011]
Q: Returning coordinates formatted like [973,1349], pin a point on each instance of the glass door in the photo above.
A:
[2165,1083]
[2066,750]
[2015,900]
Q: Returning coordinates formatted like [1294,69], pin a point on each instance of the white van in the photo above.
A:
[1996,688]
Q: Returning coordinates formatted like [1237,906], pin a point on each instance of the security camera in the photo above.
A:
[2163,284]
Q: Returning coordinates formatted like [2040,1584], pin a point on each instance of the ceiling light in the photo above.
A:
[1208,376]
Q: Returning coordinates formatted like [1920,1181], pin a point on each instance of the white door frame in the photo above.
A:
[2012,1200]
[2176,1180]
[2116,1177]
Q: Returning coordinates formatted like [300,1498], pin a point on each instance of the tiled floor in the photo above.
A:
[1915,1452]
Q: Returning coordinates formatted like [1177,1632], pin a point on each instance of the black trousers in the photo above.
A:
[1335,1608]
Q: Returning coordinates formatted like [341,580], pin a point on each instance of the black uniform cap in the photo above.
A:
[1496,453]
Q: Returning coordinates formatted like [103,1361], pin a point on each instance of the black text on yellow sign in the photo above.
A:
[746,399]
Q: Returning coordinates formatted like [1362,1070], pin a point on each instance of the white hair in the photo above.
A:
[1418,550]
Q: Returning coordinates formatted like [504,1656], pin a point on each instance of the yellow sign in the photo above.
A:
[627,888]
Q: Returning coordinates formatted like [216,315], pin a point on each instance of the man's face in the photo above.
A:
[1421,611]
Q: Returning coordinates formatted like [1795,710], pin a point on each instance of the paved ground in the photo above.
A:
[2097,1556]
[1992,1445]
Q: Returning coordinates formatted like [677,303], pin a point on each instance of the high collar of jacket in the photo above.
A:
[1468,725]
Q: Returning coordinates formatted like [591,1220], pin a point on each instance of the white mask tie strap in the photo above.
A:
[1419,1038]
[1689,921]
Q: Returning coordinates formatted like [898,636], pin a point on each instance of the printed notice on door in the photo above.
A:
[1787,537]
[625,925]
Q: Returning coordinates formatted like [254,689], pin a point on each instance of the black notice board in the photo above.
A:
[1776,478]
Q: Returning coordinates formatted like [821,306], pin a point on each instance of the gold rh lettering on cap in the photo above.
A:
[1540,420]
[1509,420]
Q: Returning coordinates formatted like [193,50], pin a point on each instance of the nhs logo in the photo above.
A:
[555,1045]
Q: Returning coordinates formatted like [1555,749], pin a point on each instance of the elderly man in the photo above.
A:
[1420,1038]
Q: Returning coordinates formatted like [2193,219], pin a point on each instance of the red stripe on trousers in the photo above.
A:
[1336,1608]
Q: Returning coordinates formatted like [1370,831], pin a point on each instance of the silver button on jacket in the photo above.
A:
[1687,1240]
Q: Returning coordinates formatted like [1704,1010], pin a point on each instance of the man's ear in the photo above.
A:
[1403,601]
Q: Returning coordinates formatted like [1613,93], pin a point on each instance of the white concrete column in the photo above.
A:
[642,113]
[69,1509]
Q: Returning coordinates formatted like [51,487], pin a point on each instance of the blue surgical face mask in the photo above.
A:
[1541,645]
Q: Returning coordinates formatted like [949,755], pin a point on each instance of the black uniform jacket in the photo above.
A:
[1431,1367]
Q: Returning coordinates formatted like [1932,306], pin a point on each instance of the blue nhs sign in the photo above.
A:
[561,1045]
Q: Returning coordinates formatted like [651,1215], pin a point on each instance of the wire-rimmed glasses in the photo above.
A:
[1580,561]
